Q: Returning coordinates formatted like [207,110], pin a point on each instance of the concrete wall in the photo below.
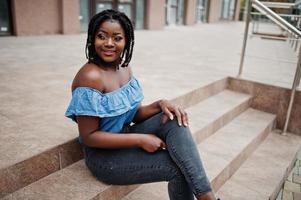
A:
[214,11]
[190,12]
[237,10]
[155,14]
[271,99]
[37,17]
[70,16]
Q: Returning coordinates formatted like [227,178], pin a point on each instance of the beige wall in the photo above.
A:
[190,12]
[70,16]
[237,10]
[214,11]
[37,17]
[155,14]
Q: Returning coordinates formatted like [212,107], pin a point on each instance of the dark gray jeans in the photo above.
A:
[180,164]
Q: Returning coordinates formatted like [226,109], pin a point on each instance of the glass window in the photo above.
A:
[4,18]
[227,9]
[201,13]
[125,1]
[126,8]
[139,14]
[103,6]
[175,11]
[180,12]
[84,15]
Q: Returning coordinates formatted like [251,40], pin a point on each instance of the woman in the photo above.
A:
[106,99]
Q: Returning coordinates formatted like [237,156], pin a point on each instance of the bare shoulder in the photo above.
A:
[88,76]
[129,71]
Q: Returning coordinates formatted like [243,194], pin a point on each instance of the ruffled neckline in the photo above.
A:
[92,102]
[108,93]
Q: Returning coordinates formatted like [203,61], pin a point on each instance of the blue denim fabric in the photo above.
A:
[115,108]
[180,164]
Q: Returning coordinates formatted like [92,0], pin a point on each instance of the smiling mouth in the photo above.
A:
[109,53]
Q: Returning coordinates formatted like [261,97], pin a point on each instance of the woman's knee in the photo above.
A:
[172,127]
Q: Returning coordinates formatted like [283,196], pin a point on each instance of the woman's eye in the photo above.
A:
[117,39]
[100,36]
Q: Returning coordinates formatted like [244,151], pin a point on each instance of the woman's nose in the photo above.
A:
[109,42]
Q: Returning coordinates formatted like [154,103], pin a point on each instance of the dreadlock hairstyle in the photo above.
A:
[127,26]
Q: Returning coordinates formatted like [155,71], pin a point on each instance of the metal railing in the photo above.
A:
[286,26]
[293,19]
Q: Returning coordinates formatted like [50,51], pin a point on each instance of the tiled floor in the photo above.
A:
[36,73]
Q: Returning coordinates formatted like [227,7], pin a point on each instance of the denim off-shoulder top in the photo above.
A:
[115,108]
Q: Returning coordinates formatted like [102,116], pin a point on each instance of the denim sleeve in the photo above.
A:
[91,102]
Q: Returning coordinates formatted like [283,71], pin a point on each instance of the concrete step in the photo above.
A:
[222,153]
[215,112]
[224,106]
[49,150]
[263,173]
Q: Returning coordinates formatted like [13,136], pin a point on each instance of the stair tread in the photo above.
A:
[72,182]
[212,108]
[218,151]
[219,104]
[262,172]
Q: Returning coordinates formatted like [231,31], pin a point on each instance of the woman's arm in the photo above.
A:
[147,111]
[88,126]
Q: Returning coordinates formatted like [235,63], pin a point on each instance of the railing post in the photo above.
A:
[297,42]
[248,18]
[293,92]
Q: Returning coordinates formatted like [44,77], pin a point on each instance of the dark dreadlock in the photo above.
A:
[127,26]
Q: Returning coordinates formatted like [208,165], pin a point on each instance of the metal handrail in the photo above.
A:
[288,27]
[281,15]
[275,17]
[278,4]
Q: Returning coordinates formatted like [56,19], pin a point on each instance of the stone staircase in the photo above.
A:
[243,156]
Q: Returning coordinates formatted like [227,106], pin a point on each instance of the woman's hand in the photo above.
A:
[150,142]
[169,109]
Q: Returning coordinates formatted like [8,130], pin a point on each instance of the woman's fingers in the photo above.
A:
[163,145]
[168,113]
[170,110]
[179,117]
[184,116]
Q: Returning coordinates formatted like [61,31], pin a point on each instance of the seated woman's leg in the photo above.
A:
[182,150]
[135,166]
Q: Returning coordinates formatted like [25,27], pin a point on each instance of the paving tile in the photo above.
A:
[293,187]
[279,197]
[264,170]
[287,195]
[296,179]
[297,196]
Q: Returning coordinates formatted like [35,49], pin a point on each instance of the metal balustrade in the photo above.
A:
[293,33]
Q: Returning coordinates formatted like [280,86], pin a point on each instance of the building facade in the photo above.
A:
[36,17]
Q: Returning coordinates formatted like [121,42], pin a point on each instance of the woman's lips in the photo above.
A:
[109,53]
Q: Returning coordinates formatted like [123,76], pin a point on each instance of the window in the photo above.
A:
[5,18]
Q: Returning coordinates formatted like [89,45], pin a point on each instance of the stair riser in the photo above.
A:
[211,128]
[201,94]
[39,166]
[226,173]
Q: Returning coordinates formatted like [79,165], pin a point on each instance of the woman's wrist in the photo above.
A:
[158,103]
[138,139]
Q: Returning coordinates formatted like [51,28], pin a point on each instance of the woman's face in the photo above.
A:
[109,41]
